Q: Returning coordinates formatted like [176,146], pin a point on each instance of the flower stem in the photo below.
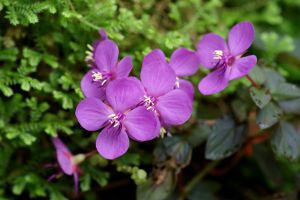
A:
[90,153]
[188,188]
[254,84]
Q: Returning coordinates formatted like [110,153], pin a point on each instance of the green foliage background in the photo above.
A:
[42,51]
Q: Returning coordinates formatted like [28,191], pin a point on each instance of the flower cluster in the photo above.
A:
[124,107]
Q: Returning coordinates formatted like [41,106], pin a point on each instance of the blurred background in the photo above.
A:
[42,52]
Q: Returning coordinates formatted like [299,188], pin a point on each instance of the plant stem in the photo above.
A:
[188,188]
[90,153]
[254,84]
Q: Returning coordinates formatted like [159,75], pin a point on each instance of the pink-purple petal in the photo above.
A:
[65,162]
[106,55]
[124,67]
[59,145]
[112,142]
[124,93]
[242,67]
[187,87]
[156,75]
[92,88]
[103,34]
[184,62]
[142,124]
[64,156]
[240,38]
[92,113]
[214,82]
[175,107]
[206,48]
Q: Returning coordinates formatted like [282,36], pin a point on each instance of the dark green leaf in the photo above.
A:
[199,134]
[268,164]
[268,116]
[273,79]
[258,75]
[240,109]
[260,97]
[225,139]
[204,191]
[5,154]
[179,149]
[286,91]
[291,106]
[286,140]
[153,191]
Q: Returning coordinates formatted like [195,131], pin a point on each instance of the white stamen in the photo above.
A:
[97,76]
[90,47]
[103,82]
[177,84]
[113,119]
[149,103]
[162,132]
[218,54]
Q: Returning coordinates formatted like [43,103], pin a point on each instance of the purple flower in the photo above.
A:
[173,106]
[184,63]
[66,161]
[105,69]
[120,119]
[226,60]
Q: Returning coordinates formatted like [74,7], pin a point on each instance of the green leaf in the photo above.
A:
[291,106]
[204,191]
[27,138]
[129,159]
[179,149]
[199,134]
[225,139]
[25,85]
[55,195]
[5,155]
[153,191]
[258,75]
[9,54]
[268,165]
[286,91]
[260,97]
[85,183]
[286,140]
[240,109]
[18,187]
[7,91]
[273,79]
[268,116]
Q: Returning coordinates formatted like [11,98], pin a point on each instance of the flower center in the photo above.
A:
[218,54]
[225,59]
[149,102]
[115,119]
[100,77]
